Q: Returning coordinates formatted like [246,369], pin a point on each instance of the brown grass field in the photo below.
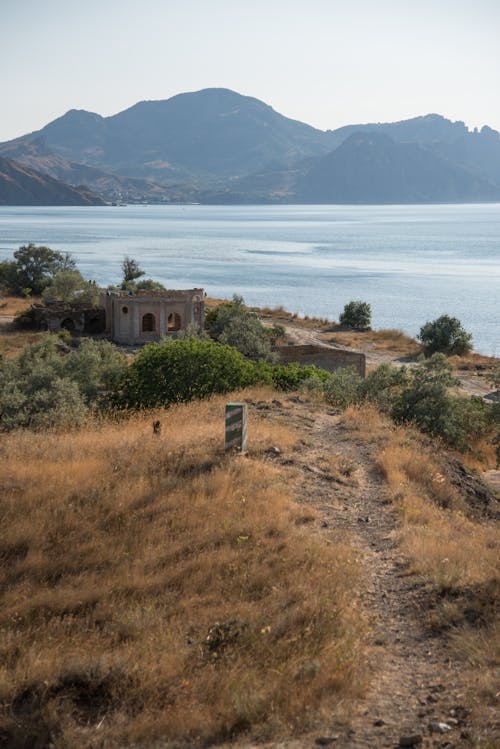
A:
[153,586]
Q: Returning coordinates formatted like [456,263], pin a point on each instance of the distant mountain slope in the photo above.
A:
[36,155]
[213,132]
[427,129]
[20,185]
[215,145]
[372,168]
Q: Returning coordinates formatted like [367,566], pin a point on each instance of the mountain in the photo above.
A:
[430,128]
[36,155]
[20,185]
[373,168]
[216,145]
[190,137]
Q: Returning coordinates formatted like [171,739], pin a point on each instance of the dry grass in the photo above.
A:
[12,305]
[458,556]
[389,340]
[12,341]
[474,362]
[154,587]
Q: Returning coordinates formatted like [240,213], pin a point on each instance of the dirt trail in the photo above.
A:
[416,683]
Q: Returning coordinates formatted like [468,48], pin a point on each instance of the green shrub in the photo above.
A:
[357,315]
[182,370]
[69,286]
[427,402]
[383,386]
[293,376]
[343,388]
[49,385]
[445,335]
[231,323]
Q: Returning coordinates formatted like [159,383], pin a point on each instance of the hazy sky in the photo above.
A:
[324,62]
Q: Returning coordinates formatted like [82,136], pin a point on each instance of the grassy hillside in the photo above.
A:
[154,587]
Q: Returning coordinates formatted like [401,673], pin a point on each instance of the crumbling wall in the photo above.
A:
[322,356]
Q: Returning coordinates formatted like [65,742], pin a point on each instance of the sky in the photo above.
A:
[324,62]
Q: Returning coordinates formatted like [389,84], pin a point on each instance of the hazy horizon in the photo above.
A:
[327,65]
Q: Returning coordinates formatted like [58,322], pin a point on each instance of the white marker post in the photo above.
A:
[236,426]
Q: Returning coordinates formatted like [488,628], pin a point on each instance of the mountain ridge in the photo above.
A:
[216,144]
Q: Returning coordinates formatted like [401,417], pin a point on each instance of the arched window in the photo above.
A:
[174,321]
[68,324]
[148,323]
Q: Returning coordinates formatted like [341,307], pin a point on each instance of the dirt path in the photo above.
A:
[417,687]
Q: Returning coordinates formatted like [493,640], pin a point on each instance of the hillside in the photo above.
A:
[35,155]
[373,168]
[20,185]
[213,132]
[217,146]
[174,595]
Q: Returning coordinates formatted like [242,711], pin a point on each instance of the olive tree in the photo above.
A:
[357,315]
[445,335]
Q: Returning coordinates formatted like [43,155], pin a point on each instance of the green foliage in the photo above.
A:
[293,376]
[445,335]
[357,315]
[494,377]
[48,385]
[343,388]
[383,386]
[181,370]
[130,270]
[69,286]
[149,284]
[8,276]
[97,367]
[231,323]
[427,402]
[34,267]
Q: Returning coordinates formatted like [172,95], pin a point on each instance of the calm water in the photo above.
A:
[412,263]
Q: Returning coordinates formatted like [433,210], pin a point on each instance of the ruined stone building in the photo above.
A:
[129,319]
[150,315]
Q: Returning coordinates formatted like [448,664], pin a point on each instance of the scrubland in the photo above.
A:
[153,586]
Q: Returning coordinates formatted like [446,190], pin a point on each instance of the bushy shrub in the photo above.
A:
[427,402]
[69,286]
[383,386]
[357,315]
[343,388]
[231,323]
[182,370]
[49,385]
[293,376]
[445,335]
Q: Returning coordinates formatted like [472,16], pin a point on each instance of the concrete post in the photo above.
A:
[236,426]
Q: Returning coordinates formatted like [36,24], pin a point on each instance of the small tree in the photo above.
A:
[357,315]
[130,270]
[69,286]
[445,335]
[35,266]
[233,324]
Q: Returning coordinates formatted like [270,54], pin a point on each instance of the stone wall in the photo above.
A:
[322,356]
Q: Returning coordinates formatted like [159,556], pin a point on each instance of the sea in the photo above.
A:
[412,263]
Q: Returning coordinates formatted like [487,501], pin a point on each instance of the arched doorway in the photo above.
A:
[148,323]
[174,322]
[68,324]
